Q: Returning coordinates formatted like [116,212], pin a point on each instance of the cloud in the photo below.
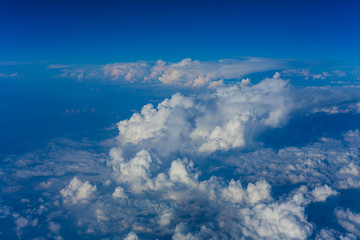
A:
[11,75]
[322,193]
[54,227]
[331,234]
[223,120]
[194,167]
[196,74]
[150,123]
[119,193]
[252,209]
[131,236]
[348,220]
[276,221]
[230,118]
[131,72]
[186,73]
[307,75]
[77,191]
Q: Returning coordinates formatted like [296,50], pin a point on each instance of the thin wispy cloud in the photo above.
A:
[10,75]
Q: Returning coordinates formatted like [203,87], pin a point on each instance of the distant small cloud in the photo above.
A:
[11,75]
[306,74]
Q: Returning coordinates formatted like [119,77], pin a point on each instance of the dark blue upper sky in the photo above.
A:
[99,32]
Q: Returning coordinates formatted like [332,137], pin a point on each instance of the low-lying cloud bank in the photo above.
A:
[194,167]
[186,73]
[195,74]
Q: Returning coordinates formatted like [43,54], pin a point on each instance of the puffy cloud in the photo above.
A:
[348,220]
[135,171]
[21,223]
[186,73]
[54,227]
[331,234]
[322,193]
[223,120]
[119,193]
[329,162]
[77,191]
[150,123]
[195,73]
[232,117]
[276,221]
[350,169]
[131,236]
[252,209]
[131,72]
[193,167]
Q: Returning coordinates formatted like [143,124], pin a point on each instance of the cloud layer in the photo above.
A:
[196,167]
[186,73]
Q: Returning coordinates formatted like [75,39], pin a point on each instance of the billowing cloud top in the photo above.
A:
[223,120]
[199,166]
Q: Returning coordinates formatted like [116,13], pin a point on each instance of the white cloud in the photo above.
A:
[276,221]
[252,209]
[10,75]
[119,193]
[77,191]
[320,194]
[135,171]
[21,223]
[191,168]
[150,123]
[131,236]
[223,120]
[331,234]
[54,227]
[131,72]
[350,169]
[348,220]
[186,73]
[197,74]
[306,74]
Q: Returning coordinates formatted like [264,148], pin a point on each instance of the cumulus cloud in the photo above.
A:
[131,72]
[253,210]
[77,191]
[136,171]
[322,193]
[276,221]
[223,120]
[119,193]
[229,118]
[194,167]
[186,73]
[331,234]
[349,220]
[131,236]
[196,73]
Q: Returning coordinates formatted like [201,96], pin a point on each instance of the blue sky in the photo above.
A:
[179,120]
[100,32]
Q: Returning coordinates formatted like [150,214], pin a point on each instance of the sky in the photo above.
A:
[179,120]
[100,32]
